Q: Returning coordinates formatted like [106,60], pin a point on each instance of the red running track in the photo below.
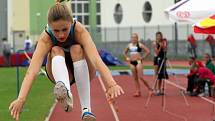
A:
[133,109]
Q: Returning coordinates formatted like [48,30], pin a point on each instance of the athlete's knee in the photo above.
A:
[56,50]
[77,52]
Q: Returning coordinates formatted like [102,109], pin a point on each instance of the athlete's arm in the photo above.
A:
[84,38]
[125,53]
[42,49]
[146,49]
[157,50]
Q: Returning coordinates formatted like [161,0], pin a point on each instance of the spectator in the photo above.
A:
[192,45]
[160,49]
[204,76]
[28,44]
[6,51]
[208,62]
[211,42]
[154,46]
[191,77]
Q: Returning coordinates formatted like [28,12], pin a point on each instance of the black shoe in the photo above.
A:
[159,93]
[194,94]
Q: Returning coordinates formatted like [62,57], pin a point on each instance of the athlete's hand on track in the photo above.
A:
[114,91]
[15,108]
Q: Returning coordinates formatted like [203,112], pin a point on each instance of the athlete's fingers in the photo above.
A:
[17,116]
[122,91]
[119,92]
[11,106]
[12,113]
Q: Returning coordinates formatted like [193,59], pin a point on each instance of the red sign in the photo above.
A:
[183,14]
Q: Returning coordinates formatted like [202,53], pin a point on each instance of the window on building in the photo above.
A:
[79,7]
[98,9]
[118,14]
[81,11]
[73,8]
[79,18]
[98,14]
[86,20]
[98,19]
[86,8]
[147,12]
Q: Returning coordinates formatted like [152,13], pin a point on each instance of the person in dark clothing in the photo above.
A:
[161,51]
[6,51]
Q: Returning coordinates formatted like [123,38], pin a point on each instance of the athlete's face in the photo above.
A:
[60,29]
[206,57]
[158,37]
[134,38]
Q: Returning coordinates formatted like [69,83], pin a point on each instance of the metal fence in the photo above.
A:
[116,39]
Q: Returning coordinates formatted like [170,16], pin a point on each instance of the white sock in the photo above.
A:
[82,79]
[60,71]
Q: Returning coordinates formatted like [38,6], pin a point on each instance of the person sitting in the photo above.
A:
[192,76]
[204,76]
[208,62]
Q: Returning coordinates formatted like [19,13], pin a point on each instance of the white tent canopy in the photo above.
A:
[190,10]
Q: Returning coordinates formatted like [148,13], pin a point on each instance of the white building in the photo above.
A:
[134,13]
[145,17]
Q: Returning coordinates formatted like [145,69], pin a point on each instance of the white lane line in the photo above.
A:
[110,104]
[180,87]
[51,111]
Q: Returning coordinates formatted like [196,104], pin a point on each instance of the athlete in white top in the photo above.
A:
[134,58]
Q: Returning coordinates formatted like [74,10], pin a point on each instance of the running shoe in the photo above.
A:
[88,116]
[63,96]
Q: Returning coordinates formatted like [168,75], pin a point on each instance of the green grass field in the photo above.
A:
[39,100]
